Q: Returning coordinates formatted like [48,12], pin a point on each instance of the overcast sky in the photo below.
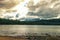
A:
[42,8]
[45,8]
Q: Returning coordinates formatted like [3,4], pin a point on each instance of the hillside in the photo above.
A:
[40,22]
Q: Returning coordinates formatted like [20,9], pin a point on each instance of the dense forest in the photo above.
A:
[39,22]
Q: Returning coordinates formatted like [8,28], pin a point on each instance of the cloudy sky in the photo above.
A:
[35,8]
[45,8]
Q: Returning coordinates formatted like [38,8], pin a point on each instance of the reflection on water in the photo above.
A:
[21,29]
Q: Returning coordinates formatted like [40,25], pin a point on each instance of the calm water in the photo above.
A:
[30,28]
[14,30]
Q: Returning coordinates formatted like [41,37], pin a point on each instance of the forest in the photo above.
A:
[39,22]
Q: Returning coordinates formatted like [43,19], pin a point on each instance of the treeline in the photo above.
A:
[40,22]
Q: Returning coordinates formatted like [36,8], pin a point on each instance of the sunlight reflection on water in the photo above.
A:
[31,28]
[16,30]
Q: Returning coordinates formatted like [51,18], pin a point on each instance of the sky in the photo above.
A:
[34,8]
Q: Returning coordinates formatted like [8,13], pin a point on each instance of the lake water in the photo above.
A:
[29,28]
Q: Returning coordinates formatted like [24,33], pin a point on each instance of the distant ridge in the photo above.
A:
[39,22]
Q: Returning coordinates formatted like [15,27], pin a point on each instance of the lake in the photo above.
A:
[21,29]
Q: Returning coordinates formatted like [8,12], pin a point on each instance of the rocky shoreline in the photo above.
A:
[30,38]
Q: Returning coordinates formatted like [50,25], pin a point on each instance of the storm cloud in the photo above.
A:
[44,8]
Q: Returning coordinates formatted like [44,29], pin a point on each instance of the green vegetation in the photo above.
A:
[39,22]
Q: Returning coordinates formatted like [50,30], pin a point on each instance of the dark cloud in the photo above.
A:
[43,9]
